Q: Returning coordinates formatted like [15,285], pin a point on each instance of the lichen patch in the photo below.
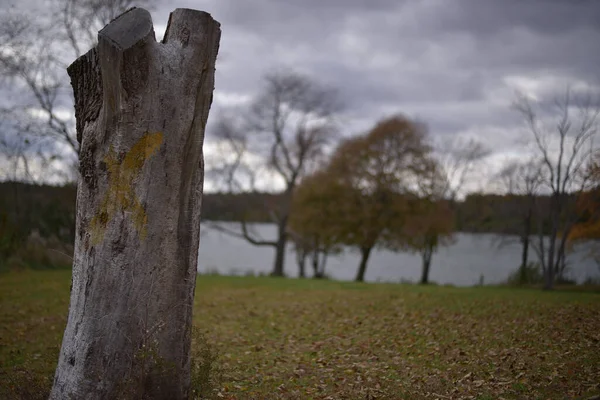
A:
[123,170]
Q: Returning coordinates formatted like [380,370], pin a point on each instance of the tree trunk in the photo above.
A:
[561,259]
[426,257]
[280,249]
[365,252]
[524,257]
[141,109]
[318,273]
[525,244]
[322,264]
[301,261]
[550,270]
[315,265]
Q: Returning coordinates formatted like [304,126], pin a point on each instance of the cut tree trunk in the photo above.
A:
[141,110]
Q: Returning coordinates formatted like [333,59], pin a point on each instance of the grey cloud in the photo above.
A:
[546,17]
[448,63]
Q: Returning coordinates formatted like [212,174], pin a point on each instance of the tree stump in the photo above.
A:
[141,110]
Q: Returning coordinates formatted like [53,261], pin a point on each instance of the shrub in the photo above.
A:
[563,280]
[532,275]
[39,253]
[592,281]
[10,238]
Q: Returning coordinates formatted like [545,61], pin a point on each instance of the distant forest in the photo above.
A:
[477,213]
[51,210]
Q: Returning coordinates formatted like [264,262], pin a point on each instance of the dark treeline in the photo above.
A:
[499,213]
[249,206]
[25,208]
[37,225]
[477,213]
[50,210]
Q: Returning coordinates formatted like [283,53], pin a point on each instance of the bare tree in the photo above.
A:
[13,30]
[431,222]
[449,169]
[80,20]
[564,140]
[288,125]
[457,159]
[13,162]
[34,53]
[229,167]
[521,181]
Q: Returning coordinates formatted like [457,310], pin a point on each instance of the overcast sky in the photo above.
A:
[454,64]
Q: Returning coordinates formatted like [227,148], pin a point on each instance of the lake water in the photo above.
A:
[461,263]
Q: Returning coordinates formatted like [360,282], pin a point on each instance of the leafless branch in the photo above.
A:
[295,118]
[243,234]
[458,158]
[33,61]
[565,146]
[288,127]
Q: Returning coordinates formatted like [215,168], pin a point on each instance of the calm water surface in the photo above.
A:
[461,264]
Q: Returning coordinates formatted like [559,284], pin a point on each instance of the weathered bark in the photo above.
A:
[365,252]
[141,109]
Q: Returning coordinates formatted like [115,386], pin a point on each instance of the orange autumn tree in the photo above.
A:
[588,207]
[312,224]
[363,194]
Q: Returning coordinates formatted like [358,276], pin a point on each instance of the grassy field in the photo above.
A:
[306,339]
